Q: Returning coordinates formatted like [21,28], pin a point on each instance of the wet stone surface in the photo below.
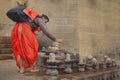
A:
[9,71]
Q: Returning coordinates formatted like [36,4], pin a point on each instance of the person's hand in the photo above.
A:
[58,40]
[36,32]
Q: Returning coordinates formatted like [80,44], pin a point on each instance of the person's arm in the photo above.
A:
[44,29]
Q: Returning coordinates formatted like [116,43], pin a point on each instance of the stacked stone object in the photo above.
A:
[52,65]
[81,67]
[114,64]
[54,47]
[108,61]
[68,63]
[89,63]
[95,63]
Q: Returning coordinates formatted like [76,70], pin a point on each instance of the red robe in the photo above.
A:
[24,42]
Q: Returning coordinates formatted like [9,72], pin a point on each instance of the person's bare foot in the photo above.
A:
[22,70]
[34,70]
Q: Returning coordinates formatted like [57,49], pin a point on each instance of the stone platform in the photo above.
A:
[9,71]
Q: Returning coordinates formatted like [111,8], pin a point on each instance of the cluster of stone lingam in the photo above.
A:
[60,60]
[91,63]
[108,62]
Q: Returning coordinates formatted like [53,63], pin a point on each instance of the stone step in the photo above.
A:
[6,51]
[5,40]
[5,46]
[6,56]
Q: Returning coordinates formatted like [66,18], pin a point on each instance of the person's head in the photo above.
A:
[44,18]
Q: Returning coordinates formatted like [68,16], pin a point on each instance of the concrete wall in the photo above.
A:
[86,26]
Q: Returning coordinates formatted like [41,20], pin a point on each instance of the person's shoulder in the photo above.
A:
[39,19]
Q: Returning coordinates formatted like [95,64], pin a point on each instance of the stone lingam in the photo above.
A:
[54,47]
[40,60]
[61,57]
[95,63]
[81,65]
[114,63]
[108,61]
[52,65]
[75,60]
[89,63]
[68,64]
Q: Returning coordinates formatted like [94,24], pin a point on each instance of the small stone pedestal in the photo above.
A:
[68,64]
[95,66]
[52,64]
[114,64]
[52,68]
[89,67]
[81,67]
[75,63]
[102,65]
[108,65]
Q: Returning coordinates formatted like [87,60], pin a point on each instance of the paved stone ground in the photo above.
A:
[9,71]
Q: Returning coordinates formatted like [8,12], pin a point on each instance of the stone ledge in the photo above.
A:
[6,56]
[5,46]
[6,51]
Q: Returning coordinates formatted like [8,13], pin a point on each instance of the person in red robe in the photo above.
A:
[24,42]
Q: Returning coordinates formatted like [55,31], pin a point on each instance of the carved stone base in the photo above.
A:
[68,65]
[89,67]
[81,67]
[52,71]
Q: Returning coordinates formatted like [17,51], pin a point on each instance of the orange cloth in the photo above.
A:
[24,42]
